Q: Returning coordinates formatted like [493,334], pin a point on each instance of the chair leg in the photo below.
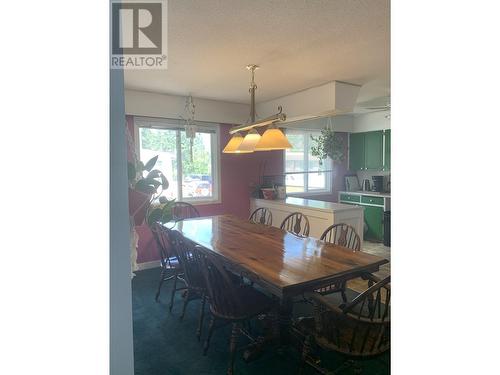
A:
[306,349]
[202,314]
[342,292]
[232,347]
[162,279]
[210,331]
[344,297]
[174,288]
[186,300]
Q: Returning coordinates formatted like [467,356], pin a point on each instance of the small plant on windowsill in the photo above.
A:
[328,144]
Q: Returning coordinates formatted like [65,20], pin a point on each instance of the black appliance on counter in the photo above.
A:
[378,183]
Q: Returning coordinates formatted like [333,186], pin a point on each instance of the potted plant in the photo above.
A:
[145,185]
[328,144]
[144,188]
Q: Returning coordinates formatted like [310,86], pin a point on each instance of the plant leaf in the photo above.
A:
[144,186]
[164,182]
[155,215]
[153,182]
[154,174]
[151,163]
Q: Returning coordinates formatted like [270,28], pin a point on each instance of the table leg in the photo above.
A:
[285,320]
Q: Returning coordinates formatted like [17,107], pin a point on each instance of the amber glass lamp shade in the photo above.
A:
[250,141]
[233,144]
[273,139]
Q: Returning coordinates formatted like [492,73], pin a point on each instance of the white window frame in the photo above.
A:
[327,164]
[158,123]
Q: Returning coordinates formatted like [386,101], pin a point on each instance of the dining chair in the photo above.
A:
[183,210]
[230,303]
[261,216]
[342,235]
[191,265]
[296,223]
[170,266]
[359,328]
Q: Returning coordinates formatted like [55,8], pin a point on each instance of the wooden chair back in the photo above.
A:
[357,328]
[189,260]
[183,210]
[163,242]
[296,223]
[342,235]
[261,216]
[224,299]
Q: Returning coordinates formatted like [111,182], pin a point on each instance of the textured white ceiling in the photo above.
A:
[297,43]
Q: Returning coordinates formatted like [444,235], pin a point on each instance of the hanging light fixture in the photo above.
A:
[274,139]
[233,144]
[250,141]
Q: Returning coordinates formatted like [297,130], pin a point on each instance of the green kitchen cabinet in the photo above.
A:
[366,151]
[387,150]
[374,150]
[357,151]
[374,217]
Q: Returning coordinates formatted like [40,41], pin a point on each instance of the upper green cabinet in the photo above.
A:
[357,151]
[387,150]
[374,151]
[366,151]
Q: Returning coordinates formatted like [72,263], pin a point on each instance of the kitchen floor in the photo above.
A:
[375,248]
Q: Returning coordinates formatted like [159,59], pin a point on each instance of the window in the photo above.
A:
[301,168]
[193,179]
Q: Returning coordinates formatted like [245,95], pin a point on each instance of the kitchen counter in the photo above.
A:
[369,193]
[311,204]
[320,214]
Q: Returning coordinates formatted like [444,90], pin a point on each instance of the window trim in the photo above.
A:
[327,163]
[212,128]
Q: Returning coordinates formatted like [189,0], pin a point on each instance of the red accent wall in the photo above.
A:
[237,173]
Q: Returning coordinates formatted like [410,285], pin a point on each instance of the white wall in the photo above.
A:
[142,103]
[121,354]
[371,121]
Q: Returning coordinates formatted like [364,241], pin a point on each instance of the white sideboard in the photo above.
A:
[320,214]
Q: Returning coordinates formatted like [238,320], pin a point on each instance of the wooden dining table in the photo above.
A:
[280,262]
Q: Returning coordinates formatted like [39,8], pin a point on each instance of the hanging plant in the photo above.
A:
[328,144]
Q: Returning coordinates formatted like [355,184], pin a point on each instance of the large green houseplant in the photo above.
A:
[328,144]
[145,185]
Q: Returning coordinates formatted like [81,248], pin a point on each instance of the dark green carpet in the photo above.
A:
[163,345]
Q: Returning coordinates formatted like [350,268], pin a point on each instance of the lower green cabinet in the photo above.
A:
[374,217]
[373,213]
